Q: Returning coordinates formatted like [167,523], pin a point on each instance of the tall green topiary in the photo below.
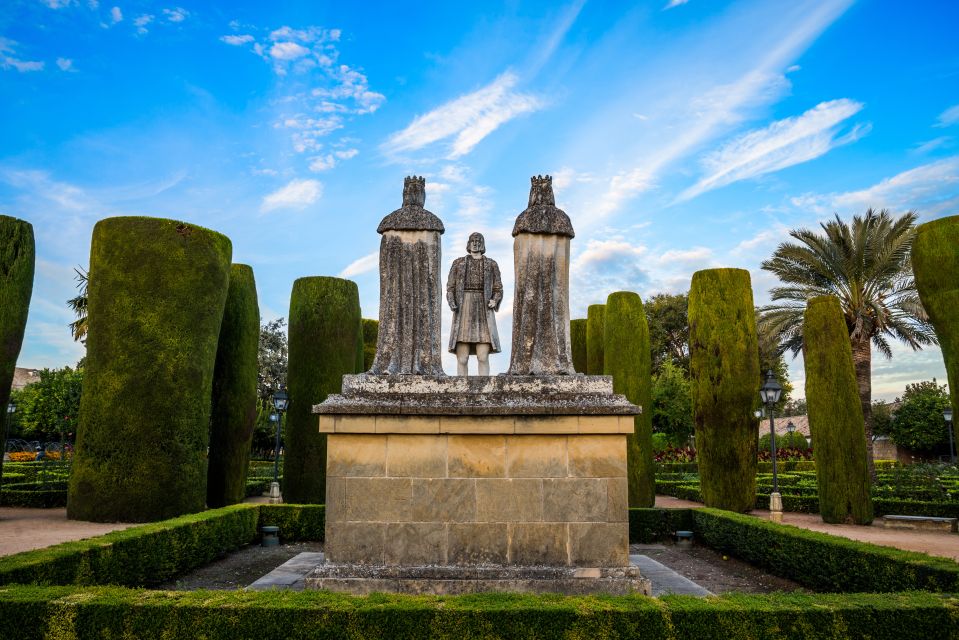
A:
[371,331]
[935,264]
[724,384]
[835,414]
[629,360]
[577,339]
[595,339]
[17,257]
[234,391]
[156,298]
[326,340]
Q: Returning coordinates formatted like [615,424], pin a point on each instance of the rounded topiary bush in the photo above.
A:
[234,391]
[595,339]
[17,257]
[835,414]
[326,342]
[935,264]
[724,385]
[155,304]
[371,332]
[577,340]
[783,440]
[628,360]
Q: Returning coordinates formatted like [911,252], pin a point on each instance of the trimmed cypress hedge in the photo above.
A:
[595,339]
[234,391]
[835,414]
[17,258]
[63,612]
[156,297]
[935,264]
[821,561]
[577,340]
[725,377]
[653,525]
[371,332]
[627,358]
[326,342]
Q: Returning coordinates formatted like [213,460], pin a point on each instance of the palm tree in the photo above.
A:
[867,266]
[78,305]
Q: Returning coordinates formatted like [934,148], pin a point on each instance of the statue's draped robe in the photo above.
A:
[410,294]
[541,343]
[492,291]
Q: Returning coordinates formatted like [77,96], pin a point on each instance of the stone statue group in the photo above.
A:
[410,291]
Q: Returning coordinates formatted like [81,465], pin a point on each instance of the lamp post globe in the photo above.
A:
[770,393]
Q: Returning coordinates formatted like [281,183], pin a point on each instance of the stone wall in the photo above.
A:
[468,491]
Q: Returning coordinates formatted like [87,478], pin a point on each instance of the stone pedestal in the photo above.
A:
[476,472]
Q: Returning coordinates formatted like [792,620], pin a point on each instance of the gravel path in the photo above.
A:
[240,568]
[27,529]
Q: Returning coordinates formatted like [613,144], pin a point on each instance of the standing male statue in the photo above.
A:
[409,338]
[474,291]
[542,233]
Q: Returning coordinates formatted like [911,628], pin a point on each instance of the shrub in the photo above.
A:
[234,391]
[22,456]
[835,414]
[725,376]
[654,525]
[672,406]
[326,341]
[577,339]
[296,521]
[371,332]
[17,256]
[793,440]
[156,296]
[627,359]
[595,339]
[935,264]
[919,424]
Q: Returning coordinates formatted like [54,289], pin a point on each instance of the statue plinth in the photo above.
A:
[465,472]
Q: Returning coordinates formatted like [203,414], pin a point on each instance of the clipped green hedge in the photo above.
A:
[234,391]
[724,384]
[595,339]
[139,556]
[371,333]
[156,296]
[821,561]
[627,359]
[61,612]
[17,258]
[39,498]
[835,414]
[654,525]
[325,342]
[577,341]
[297,522]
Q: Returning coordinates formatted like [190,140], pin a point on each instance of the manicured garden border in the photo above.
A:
[63,612]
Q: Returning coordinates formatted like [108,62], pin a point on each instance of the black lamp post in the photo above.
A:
[947,414]
[770,392]
[280,402]
[11,409]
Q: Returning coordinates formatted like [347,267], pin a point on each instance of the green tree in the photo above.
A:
[672,405]
[595,339]
[668,317]
[371,332]
[866,266]
[48,409]
[578,347]
[771,358]
[918,422]
[881,419]
[78,305]
[272,354]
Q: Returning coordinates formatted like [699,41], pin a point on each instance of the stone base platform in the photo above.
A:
[449,580]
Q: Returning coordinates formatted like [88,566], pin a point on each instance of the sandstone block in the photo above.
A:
[617,500]
[361,542]
[471,424]
[476,456]
[444,500]
[415,543]
[420,456]
[597,456]
[599,544]
[477,543]
[536,457]
[407,424]
[509,500]
[378,499]
[538,544]
[336,500]
[356,455]
[545,424]
[598,424]
[354,424]
[575,500]
[327,424]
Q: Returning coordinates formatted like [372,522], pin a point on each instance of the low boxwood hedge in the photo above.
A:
[651,525]
[34,499]
[821,561]
[34,613]
[296,521]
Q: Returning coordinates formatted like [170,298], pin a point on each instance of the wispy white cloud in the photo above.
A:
[237,40]
[782,144]
[141,22]
[65,64]
[176,14]
[116,15]
[672,4]
[288,51]
[365,264]
[297,194]
[467,119]
[948,117]
[352,86]
[931,145]
[58,4]
[930,188]
[8,61]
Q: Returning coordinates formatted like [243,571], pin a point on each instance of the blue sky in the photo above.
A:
[681,134]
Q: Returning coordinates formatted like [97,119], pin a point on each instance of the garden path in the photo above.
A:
[26,529]
[945,545]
